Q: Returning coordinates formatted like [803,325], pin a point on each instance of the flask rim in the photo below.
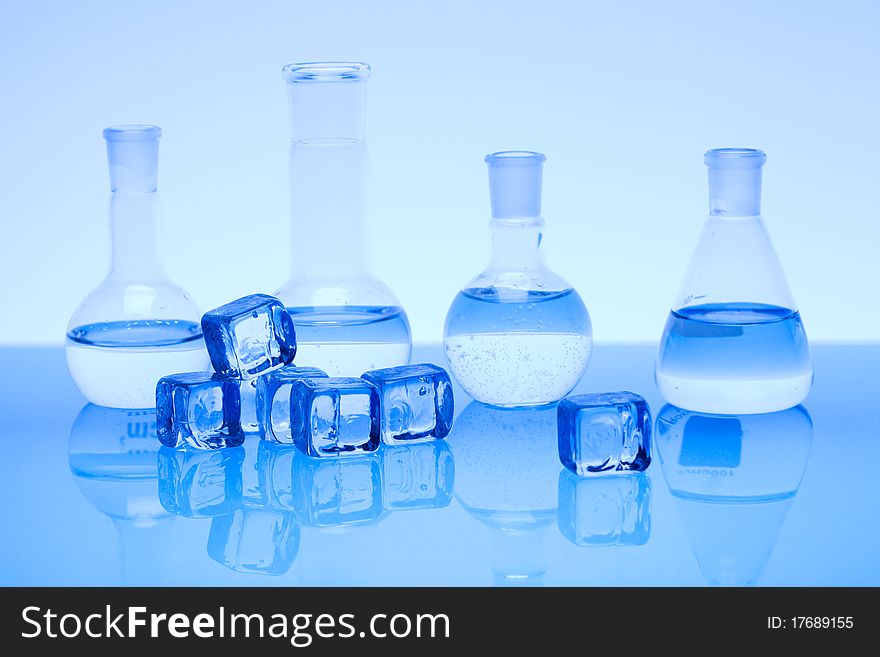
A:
[317,72]
[515,158]
[132,132]
[741,157]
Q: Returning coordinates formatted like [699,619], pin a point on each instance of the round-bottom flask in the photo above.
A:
[136,326]
[518,334]
[347,321]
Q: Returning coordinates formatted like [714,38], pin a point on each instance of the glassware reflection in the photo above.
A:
[734,478]
[112,457]
[506,474]
[605,510]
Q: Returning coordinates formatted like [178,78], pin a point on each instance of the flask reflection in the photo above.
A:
[733,478]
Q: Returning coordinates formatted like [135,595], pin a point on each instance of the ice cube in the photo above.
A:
[415,402]
[259,541]
[273,400]
[598,511]
[249,336]
[198,484]
[418,476]
[334,416]
[247,389]
[338,492]
[198,409]
[604,432]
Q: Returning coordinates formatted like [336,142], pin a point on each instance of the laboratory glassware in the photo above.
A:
[347,321]
[518,334]
[734,342]
[136,326]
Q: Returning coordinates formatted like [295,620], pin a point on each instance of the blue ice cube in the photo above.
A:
[247,389]
[259,541]
[338,492]
[275,467]
[198,484]
[598,511]
[334,416]
[273,400]
[249,336]
[415,402]
[419,476]
[604,432]
[198,409]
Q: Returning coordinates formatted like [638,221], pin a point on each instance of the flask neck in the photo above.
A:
[735,182]
[133,234]
[327,209]
[133,157]
[516,244]
[327,100]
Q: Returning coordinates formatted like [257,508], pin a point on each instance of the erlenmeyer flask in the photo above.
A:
[136,326]
[734,342]
[347,321]
[518,334]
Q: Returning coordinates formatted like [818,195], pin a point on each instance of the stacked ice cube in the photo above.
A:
[246,339]
[255,388]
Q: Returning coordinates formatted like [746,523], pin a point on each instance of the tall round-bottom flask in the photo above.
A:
[136,326]
[518,334]
[347,321]
[734,342]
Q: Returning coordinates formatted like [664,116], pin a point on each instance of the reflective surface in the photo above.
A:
[780,499]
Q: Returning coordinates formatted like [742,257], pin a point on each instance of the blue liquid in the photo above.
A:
[527,352]
[139,333]
[734,358]
[350,340]
[484,310]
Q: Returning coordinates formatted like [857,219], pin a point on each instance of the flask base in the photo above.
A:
[734,397]
[118,377]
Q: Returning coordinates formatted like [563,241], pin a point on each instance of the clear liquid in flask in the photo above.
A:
[734,357]
[351,340]
[531,352]
[734,342]
[118,363]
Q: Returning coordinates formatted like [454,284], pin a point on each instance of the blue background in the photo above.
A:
[624,97]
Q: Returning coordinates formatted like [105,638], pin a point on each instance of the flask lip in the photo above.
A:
[133,132]
[515,158]
[326,72]
[735,157]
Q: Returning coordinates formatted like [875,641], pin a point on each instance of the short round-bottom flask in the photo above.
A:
[734,342]
[136,326]
[518,334]
[347,321]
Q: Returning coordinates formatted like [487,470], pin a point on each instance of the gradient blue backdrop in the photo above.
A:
[624,98]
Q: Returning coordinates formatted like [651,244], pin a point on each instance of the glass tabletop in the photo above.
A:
[733,500]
